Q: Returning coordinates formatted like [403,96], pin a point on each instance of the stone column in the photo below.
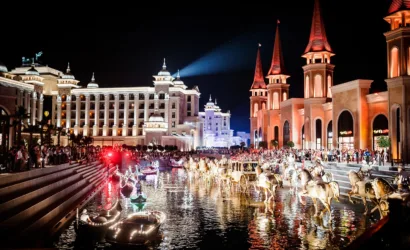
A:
[106,114]
[68,111]
[20,97]
[77,114]
[156,102]
[87,115]
[116,111]
[146,105]
[96,115]
[125,124]
[135,126]
[26,100]
[58,111]
[40,107]
[166,108]
[33,108]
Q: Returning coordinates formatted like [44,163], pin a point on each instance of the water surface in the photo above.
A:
[201,216]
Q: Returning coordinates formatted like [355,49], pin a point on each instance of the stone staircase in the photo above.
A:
[42,200]
[340,174]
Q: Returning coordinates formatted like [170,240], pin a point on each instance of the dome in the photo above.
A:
[164,71]
[156,118]
[68,74]
[32,71]
[3,68]
[92,84]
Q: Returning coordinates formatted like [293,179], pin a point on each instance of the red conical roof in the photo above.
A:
[258,80]
[397,5]
[277,66]
[317,40]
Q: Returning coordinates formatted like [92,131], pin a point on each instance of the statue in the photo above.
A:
[33,60]
[38,55]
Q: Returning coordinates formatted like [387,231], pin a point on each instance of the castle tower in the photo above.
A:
[398,77]
[318,80]
[318,72]
[278,90]
[258,98]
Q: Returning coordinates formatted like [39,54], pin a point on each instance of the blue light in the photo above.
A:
[234,55]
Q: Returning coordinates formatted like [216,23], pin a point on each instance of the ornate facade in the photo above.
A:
[163,114]
[335,116]
[217,126]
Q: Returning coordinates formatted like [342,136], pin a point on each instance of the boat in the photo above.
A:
[137,229]
[149,170]
[139,198]
[177,164]
[97,228]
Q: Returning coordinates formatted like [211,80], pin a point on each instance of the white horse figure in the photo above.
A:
[291,174]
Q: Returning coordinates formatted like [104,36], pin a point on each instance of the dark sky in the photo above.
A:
[126,47]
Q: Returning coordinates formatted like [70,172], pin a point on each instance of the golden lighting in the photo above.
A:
[46,113]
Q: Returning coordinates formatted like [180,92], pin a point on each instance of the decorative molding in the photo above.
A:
[315,100]
[327,106]
[377,97]
[16,84]
[291,101]
[355,84]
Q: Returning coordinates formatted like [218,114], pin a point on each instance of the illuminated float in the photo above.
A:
[97,228]
[137,229]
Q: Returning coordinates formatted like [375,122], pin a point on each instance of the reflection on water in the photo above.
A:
[200,216]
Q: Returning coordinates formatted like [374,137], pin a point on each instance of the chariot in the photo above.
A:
[243,173]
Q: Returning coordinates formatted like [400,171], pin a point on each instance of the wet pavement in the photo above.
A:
[201,216]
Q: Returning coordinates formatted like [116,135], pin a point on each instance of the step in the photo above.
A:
[7,180]
[15,190]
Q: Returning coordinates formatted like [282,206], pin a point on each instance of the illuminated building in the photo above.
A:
[163,114]
[335,116]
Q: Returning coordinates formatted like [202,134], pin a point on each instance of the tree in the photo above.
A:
[251,146]
[383,142]
[242,144]
[290,144]
[263,144]
[20,116]
[274,143]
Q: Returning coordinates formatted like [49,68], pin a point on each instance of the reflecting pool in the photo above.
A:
[202,216]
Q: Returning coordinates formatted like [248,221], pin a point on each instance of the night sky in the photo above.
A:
[227,38]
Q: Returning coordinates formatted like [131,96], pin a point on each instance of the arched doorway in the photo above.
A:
[345,130]
[303,136]
[260,136]
[330,135]
[255,138]
[286,133]
[318,134]
[276,133]
[380,129]
[396,132]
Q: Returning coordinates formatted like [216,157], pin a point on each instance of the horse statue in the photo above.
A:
[291,174]
[323,191]
[361,187]
[266,182]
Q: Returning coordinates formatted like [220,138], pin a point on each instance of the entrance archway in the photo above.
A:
[380,129]
[318,134]
[260,136]
[330,135]
[303,136]
[286,133]
[345,130]
[276,133]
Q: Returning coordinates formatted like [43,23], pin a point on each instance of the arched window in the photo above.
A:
[286,133]
[307,86]
[318,134]
[275,100]
[285,96]
[394,62]
[318,91]
[255,109]
[329,85]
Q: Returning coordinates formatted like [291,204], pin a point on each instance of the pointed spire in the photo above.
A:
[317,40]
[210,98]
[258,80]
[164,66]
[178,76]
[93,78]
[397,5]
[68,67]
[277,66]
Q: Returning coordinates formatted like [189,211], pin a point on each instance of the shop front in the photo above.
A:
[345,131]
[380,129]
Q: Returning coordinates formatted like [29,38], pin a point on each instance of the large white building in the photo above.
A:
[163,114]
[217,129]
